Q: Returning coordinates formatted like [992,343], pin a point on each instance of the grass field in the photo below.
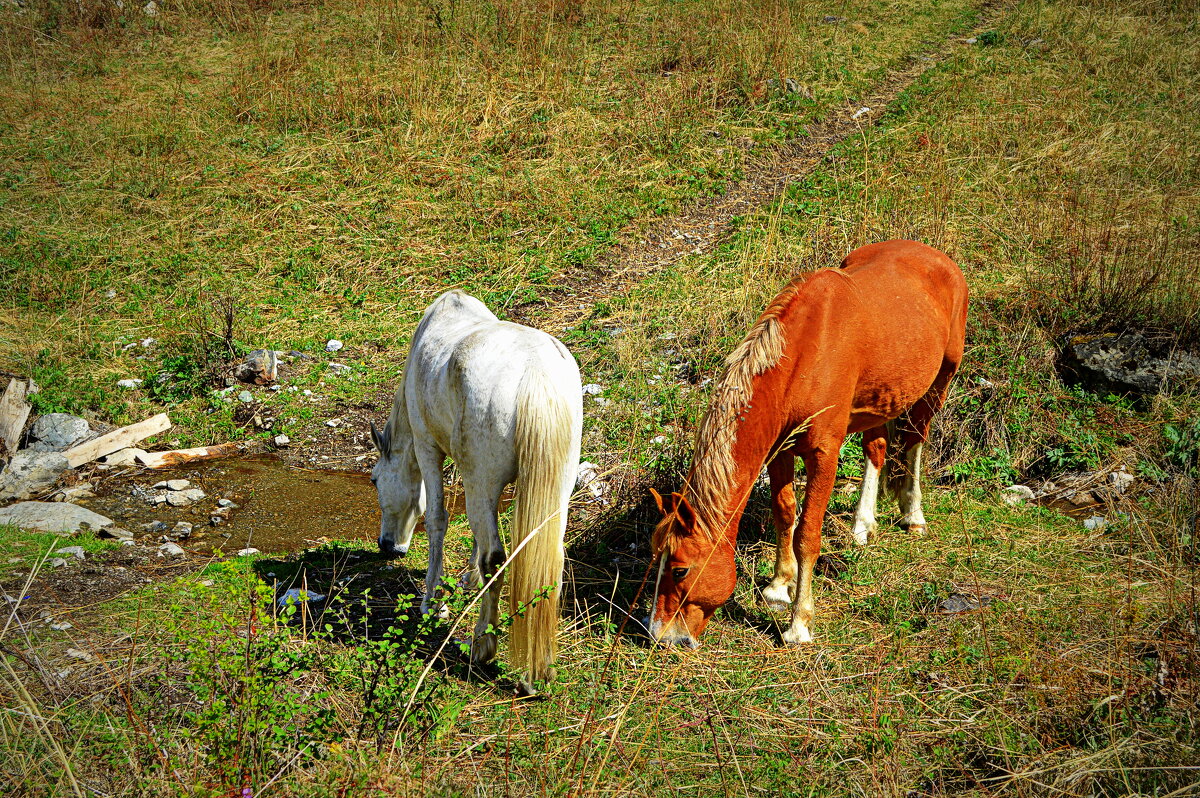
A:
[223,176]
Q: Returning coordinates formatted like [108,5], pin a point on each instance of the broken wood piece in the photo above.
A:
[14,411]
[116,440]
[180,456]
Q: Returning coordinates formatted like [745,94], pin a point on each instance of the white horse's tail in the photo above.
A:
[542,441]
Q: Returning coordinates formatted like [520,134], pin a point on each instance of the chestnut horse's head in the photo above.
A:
[695,574]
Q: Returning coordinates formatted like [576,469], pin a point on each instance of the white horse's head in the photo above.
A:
[397,478]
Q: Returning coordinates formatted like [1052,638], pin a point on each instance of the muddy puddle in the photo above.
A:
[275,508]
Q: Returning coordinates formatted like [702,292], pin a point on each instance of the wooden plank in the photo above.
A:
[180,456]
[14,412]
[116,440]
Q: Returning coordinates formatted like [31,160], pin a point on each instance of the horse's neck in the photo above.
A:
[400,431]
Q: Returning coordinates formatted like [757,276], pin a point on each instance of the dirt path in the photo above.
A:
[700,228]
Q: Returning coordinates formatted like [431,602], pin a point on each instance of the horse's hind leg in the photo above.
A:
[914,430]
[874,443]
[782,471]
[483,500]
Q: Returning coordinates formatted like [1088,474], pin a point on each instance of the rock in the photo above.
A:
[182,530]
[129,384]
[261,367]
[73,551]
[1128,363]
[333,345]
[150,9]
[154,527]
[117,533]
[57,562]
[971,40]
[296,595]
[333,422]
[182,498]
[1016,494]
[245,397]
[247,552]
[31,474]
[177,484]
[226,503]
[75,492]
[1120,481]
[961,602]
[52,517]
[592,389]
[61,626]
[282,440]
[56,432]
[171,550]
[589,478]
[123,457]
[1096,523]
[830,19]
[75,653]
[339,368]
[860,113]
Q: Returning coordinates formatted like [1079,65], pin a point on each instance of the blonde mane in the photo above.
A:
[711,480]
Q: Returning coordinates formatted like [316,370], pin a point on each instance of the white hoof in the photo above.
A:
[777,597]
[796,636]
[863,532]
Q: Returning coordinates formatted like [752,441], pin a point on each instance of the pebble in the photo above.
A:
[74,551]
[155,527]
[1096,523]
[61,626]
[182,498]
[282,440]
[176,484]
[128,384]
[170,550]
[333,345]
[57,562]
[591,389]
[1016,494]
[333,422]
[226,503]
[247,552]
[245,396]
[75,653]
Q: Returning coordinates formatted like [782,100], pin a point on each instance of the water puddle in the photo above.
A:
[278,509]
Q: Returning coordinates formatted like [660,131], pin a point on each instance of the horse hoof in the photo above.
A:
[776,599]
[795,637]
[916,529]
[483,649]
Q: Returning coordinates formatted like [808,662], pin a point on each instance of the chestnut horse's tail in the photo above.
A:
[545,476]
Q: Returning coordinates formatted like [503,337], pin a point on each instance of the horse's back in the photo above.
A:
[872,336]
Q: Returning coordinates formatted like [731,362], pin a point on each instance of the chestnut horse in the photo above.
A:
[863,348]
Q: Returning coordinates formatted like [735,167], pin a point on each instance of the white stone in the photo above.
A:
[333,345]
[591,389]
[130,383]
[75,653]
[177,484]
[51,517]
[1120,480]
[73,551]
[282,440]
[170,550]
[1096,523]
[1016,494]
[247,552]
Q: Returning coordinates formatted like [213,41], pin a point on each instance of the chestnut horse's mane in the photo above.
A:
[711,480]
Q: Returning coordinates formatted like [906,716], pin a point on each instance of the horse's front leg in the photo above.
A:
[430,461]
[482,503]
[821,466]
[782,471]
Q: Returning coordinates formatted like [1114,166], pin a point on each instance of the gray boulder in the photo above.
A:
[1128,363]
[58,432]
[31,474]
[52,517]
[261,367]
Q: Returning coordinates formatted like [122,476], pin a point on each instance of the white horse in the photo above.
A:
[504,402]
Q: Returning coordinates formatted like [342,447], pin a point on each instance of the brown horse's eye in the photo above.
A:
[679,573]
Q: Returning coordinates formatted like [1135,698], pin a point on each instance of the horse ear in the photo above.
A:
[687,516]
[380,439]
[658,500]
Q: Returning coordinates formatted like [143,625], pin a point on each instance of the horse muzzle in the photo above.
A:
[388,548]
[671,634]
